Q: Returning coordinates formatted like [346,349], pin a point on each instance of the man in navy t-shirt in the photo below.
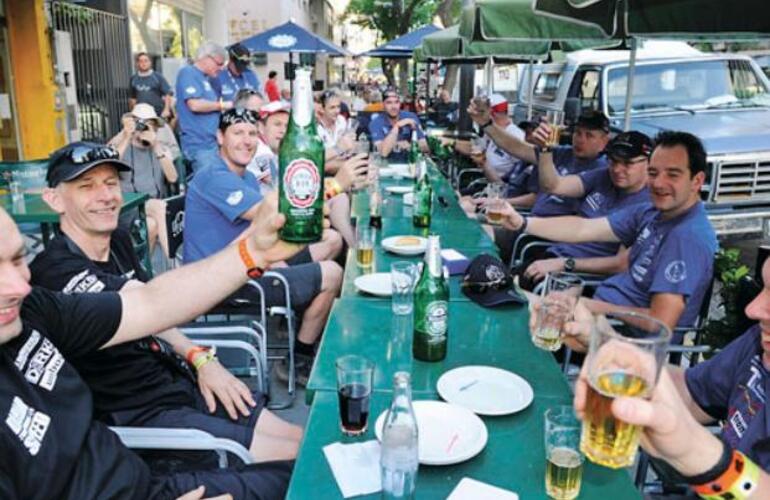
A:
[601,191]
[222,201]
[198,105]
[392,130]
[671,242]
[236,75]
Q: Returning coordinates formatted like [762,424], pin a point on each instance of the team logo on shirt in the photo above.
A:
[44,365]
[206,85]
[28,424]
[83,282]
[190,89]
[302,183]
[676,271]
[234,198]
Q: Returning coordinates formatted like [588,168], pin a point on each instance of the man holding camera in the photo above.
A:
[151,164]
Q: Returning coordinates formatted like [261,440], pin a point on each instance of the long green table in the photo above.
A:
[477,336]
[513,459]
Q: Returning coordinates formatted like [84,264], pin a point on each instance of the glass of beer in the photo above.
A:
[354,386]
[626,353]
[555,119]
[561,292]
[495,203]
[564,463]
[364,245]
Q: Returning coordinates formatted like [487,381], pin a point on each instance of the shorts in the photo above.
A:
[304,285]
[264,481]
[218,424]
[301,257]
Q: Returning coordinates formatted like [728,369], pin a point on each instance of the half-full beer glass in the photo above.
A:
[561,293]
[626,353]
[564,463]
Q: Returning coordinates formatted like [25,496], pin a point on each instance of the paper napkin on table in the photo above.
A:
[356,467]
[470,489]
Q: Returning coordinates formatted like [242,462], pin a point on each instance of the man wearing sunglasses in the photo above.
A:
[222,201]
[198,105]
[671,242]
[236,75]
[602,191]
[133,384]
[52,447]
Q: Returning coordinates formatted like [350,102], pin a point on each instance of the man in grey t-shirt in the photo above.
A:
[148,86]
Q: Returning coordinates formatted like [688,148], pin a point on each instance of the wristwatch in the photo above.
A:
[569,264]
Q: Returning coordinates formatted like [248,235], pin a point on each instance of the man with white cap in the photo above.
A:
[494,160]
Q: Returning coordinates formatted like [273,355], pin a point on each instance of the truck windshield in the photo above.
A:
[687,85]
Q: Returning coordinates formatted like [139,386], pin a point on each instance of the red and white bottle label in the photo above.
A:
[302,183]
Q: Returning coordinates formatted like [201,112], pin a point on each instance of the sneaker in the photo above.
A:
[302,366]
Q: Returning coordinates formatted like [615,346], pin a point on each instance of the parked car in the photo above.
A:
[722,98]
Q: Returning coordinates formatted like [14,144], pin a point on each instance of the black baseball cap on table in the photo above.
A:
[488,283]
[629,145]
[75,159]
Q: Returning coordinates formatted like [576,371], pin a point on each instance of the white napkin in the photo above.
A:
[356,467]
[470,489]
[452,254]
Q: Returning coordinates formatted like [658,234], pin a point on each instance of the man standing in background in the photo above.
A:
[148,86]
[236,75]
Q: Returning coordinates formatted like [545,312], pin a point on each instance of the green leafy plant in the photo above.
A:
[729,272]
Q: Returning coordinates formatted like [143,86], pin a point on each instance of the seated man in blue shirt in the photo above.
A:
[672,243]
[589,139]
[602,191]
[391,130]
[222,199]
[236,75]
[198,105]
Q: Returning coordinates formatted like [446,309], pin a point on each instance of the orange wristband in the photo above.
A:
[252,270]
[190,356]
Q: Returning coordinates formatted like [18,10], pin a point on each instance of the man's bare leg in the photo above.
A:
[339,217]
[328,248]
[314,317]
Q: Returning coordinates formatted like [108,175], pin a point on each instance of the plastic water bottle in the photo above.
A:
[400,459]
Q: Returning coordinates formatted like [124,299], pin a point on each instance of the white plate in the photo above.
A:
[391,245]
[401,169]
[386,172]
[374,284]
[408,199]
[399,189]
[485,390]
[448,434]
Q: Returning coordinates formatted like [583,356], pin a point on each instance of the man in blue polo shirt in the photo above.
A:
[391,130]
[236,75]
[602,191]
[672,243]
[222,200]
[198,105]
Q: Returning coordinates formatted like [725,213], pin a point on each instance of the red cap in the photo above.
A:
[498,103]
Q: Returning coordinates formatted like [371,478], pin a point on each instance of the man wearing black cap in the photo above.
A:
[134,384]
[236,75]
[622,184]
[52,448]
[391,131]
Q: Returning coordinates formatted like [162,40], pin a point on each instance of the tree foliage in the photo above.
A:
[391,18]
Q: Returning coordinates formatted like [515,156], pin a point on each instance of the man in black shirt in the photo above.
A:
[147,382]
[49,446]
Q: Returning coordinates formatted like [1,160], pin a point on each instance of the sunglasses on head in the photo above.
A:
[238,115]
[502,283]
[86,154]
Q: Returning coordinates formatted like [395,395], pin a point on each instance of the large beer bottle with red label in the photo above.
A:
[301,168]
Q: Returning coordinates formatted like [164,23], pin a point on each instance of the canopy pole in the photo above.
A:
[427,85]
[531,89]
[490,67]
[291,72]
[630,87]
[414,84]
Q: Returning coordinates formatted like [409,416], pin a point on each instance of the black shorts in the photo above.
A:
[304,284]
[264,481]
[218,424]
[301,257]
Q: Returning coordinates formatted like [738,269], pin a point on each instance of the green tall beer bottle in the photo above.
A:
[301,168]
[414,148]
[423,196]
[431,307]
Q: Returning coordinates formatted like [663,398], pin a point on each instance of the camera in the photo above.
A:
[141,125]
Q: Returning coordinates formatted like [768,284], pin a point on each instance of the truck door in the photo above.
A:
[585,87]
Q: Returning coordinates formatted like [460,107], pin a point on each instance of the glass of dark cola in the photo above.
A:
[354,387]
